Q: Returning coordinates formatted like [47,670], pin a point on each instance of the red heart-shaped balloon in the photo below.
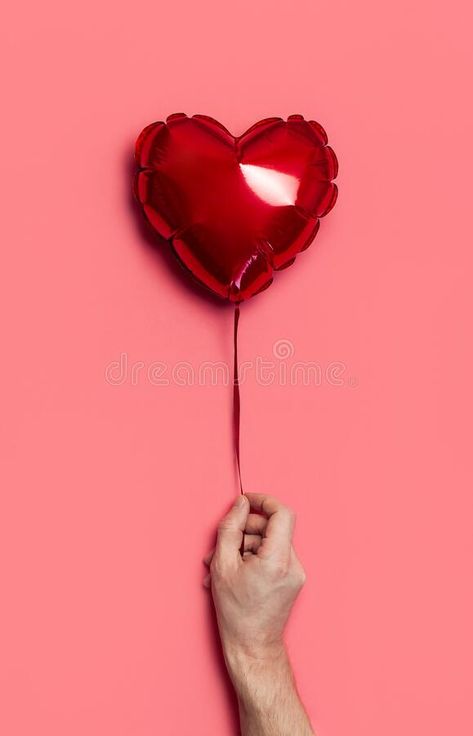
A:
[235,209]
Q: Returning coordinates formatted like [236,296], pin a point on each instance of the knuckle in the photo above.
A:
[299,577]
[287,513]
[280,567]
[302,577]
[226,525]
[291,514]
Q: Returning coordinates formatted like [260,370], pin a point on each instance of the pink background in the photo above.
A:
[111,492]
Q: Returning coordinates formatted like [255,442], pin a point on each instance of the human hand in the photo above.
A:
[254,593]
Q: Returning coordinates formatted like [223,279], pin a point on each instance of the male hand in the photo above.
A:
[253,595]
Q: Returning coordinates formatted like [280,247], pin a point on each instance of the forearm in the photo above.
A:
[267,696]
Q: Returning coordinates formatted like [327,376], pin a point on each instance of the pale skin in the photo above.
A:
[253,596]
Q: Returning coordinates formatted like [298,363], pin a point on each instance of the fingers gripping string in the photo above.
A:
[236,395]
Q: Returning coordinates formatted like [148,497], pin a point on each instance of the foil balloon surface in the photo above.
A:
[235,209]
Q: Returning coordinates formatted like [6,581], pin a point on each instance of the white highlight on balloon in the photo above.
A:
[271,186]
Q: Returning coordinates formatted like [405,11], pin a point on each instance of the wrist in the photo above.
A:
[249,664]
[242,654]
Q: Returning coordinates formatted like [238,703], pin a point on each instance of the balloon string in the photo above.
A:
[236,395]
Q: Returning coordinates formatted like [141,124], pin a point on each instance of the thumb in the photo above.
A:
[230,532]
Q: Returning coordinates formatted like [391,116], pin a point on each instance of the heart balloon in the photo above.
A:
[235,209]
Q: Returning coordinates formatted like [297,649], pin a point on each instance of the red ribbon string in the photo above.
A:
[236,395]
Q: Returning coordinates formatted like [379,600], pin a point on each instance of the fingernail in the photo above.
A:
[241,501]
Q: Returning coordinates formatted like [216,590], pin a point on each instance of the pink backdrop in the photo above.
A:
[112,484]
